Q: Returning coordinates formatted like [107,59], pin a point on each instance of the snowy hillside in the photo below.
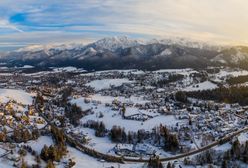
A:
[107,83]
[126,53]
[114,43]
[19,96]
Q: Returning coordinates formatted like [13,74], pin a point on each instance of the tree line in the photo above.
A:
[171,78]
[160,136]
[237,80]
[227,95]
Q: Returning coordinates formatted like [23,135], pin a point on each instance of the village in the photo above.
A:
[129,114]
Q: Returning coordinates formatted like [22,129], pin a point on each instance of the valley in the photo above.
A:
[126,118]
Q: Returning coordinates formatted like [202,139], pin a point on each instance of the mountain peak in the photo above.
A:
[185,42]
[116,42]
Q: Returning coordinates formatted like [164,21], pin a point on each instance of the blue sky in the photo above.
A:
[24,22]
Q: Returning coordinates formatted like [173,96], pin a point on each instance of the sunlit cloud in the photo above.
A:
[223,21]
[4,24]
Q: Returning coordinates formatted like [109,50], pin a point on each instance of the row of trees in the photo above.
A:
[222,94]
[171,78]
[54,152]
[170,140]
[23,135]
[118,135]
[65,93]
[237,80]
[238,152]
[99,127]
[181,96]
[160,135]
[154,162]
[39,99]
[74,113]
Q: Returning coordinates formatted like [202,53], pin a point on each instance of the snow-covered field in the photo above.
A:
[38,144]
[6,74]
[107,83]
[38,74]
[99,100]
[85,161]
[69,69]
[19,96]
[112,118]
[207,85]
[5,163]
[132,125]
[27,66]
[147,105]
[227,73]
[82,160]
[109,99]
[224,73]
[177,71]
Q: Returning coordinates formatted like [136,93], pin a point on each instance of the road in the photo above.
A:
[5,154]
[111,158]
[244,118]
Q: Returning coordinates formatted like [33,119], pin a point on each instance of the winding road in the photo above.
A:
[119,159]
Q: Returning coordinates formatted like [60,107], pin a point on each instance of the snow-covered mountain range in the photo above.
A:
[123,52]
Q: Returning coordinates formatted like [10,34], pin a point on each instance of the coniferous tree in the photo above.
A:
[100,129]
[181,96]
[44,153]
[23,164]
[129,138]
[50,164]
[154,162]
[71,163]
[123,111]
[235,150]
[245,153]
[169,165]
[224,164]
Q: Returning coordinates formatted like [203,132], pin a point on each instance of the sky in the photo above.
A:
[26,22]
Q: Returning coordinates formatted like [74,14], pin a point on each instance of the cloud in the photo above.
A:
[4,24]
[27,38]
[211,20]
